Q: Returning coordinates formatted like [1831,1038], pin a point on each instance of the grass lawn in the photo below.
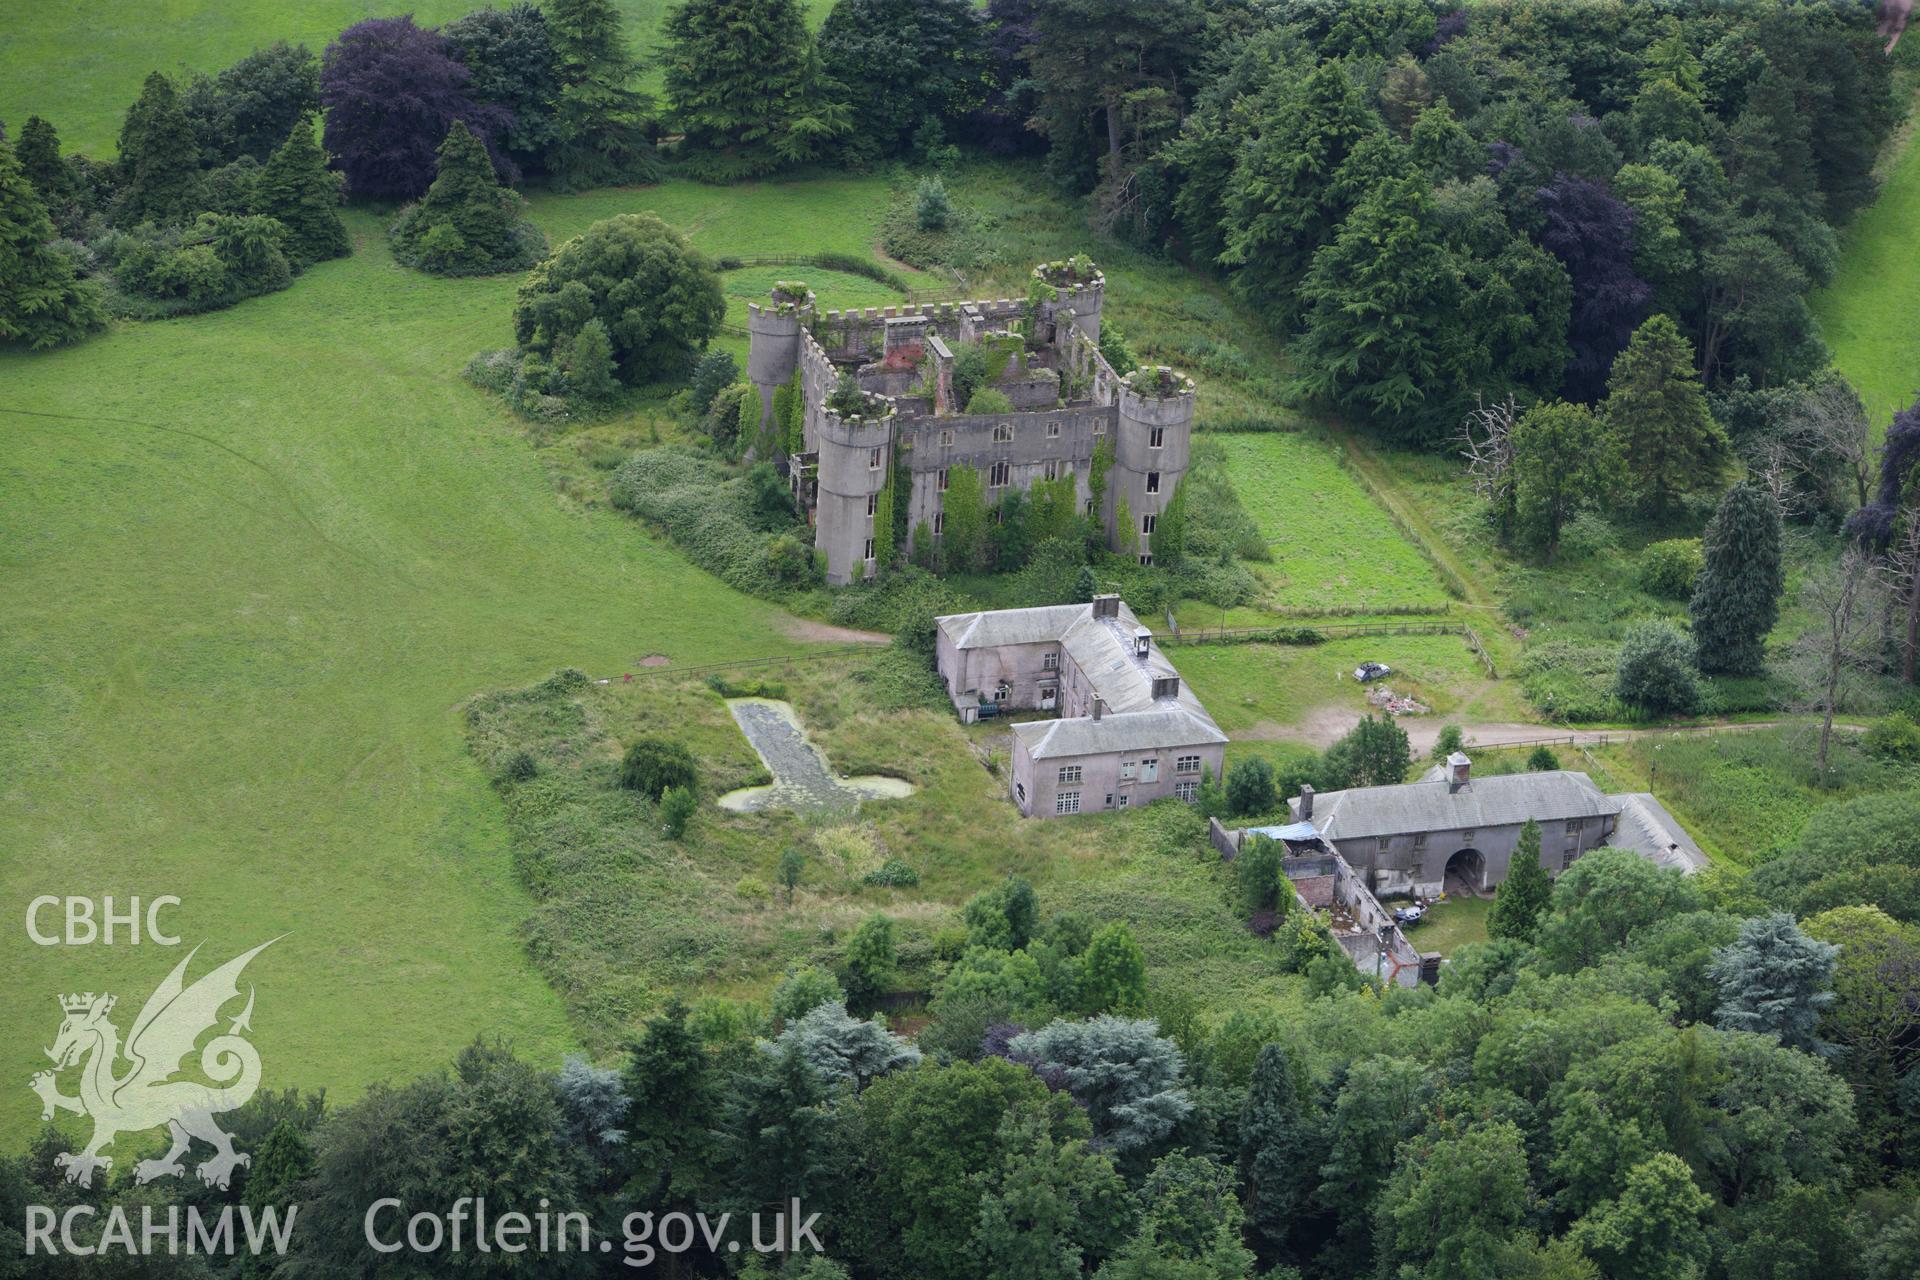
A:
[1867,313]
[80,64]
[1264,690]
[1450,925]
[1335,550]
[256,561]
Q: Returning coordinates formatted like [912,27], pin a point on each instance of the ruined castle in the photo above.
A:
[1122,437]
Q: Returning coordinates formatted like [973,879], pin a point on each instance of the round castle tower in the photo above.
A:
[773,341]
[1081,286]
[1150,451]
[855,461]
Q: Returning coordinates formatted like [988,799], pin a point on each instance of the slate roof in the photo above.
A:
[1160,728]
[1103,650]
[1650,831]
[991,628]
[1439,806]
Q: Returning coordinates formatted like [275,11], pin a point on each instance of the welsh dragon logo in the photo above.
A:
[146,1094]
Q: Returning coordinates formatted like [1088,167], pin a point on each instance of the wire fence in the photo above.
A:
[1310,633]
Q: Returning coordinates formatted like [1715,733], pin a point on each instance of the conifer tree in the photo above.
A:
[42,302]
[745,87]
[283,1161]
[1523,896]
[600,119]
[298,190]
[1113,972]
[39,154]
[1737,600]
[466,197]
[590,366]
[1775,980]
[870,962]
[1658,411]
[1382,308]
[1278,1163]
[159,165]
[1281,203]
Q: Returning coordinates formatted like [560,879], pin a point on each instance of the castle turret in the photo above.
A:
[1150,453]
[1079,286]
[855,461]
[773,341]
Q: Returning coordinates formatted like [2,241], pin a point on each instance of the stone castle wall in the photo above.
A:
[841,476]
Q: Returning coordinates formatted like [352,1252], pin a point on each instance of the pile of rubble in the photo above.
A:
[1387,700]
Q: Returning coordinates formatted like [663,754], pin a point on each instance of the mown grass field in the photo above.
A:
[1334,549]
[1867,313]
[255,562]
[80,64]
[1265,690]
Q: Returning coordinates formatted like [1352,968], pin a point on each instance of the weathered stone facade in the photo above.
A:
[1414,838]
[1129,731]
[1067,403]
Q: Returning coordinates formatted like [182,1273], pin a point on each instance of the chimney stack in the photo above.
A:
[1099,706]
[1306,802]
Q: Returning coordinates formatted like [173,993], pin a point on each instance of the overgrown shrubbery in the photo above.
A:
[1659,671]
[217,261]
[1570,681]
[1669,569]
[1895,738]
[739,526]
[653,766]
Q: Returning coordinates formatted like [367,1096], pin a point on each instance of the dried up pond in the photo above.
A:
[801,777]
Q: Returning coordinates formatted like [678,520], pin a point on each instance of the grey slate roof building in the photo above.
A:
[1128,729]
[1453,828]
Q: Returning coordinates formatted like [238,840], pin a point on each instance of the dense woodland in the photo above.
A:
[1573,243]
[1641,1076]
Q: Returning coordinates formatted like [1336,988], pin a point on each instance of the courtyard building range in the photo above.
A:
[1122,438]
[1128,729]
[1454,831]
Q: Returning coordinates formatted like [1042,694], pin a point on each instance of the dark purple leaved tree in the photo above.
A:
[1880,528]
[1874,523]
[1448,29]
[1591,231]
[391,91]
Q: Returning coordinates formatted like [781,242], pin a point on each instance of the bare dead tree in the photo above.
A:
[1774,465]
[1842,645]
[1486,442]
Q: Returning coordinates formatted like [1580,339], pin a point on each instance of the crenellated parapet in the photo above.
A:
[774,330]
[1151,453]
[854,453]
[1080,290]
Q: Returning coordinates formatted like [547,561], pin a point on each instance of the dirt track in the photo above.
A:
[1325,726]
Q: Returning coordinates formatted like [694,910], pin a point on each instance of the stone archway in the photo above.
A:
[1466,873]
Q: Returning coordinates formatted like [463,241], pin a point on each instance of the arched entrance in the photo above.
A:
[1466,873]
